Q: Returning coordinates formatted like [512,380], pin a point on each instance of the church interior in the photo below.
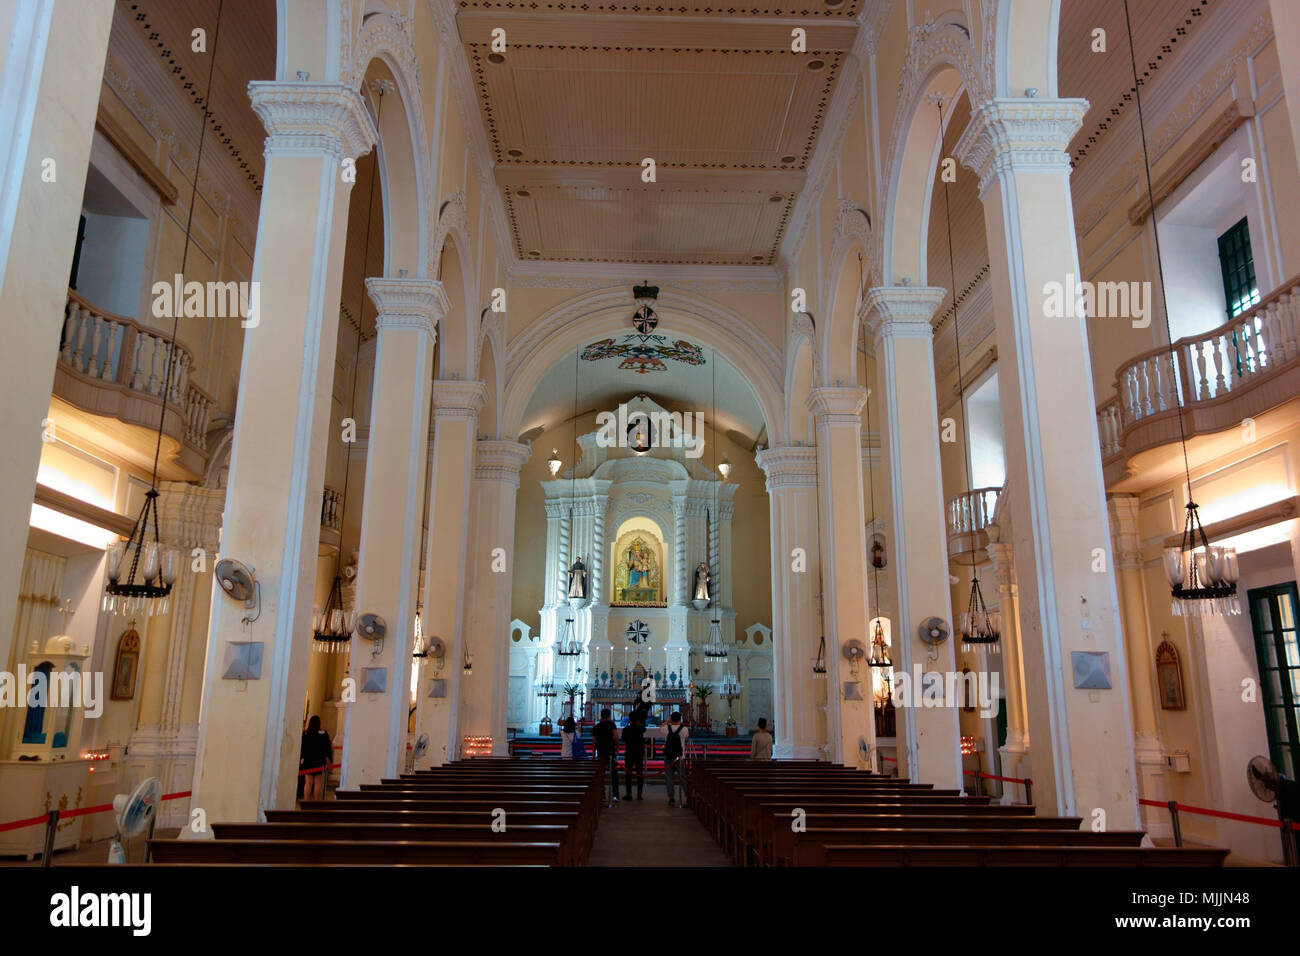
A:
[880,413]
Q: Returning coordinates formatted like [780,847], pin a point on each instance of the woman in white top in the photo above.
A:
[568,731]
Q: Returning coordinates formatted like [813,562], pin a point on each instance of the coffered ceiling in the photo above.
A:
[728,113]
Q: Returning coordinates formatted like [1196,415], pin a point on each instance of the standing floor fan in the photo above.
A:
[134,815]
[1267,783]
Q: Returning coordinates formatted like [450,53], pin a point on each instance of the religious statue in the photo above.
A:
[638,560]
[578,581]
[636,575]
[702,583]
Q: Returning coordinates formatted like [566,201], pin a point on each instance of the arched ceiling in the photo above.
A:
[600,381]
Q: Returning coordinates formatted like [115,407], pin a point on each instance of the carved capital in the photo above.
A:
[500,461]
[408,304]
[1011,135]
[842,405]
[901,311]
[1126,541]
[789,466]
[313,118]
[458,400]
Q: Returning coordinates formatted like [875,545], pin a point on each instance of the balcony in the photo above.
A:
[113,368]
[331,521]
[1210,382]
[969,516]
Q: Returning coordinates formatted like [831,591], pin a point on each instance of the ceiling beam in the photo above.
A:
[722,33]
[512,175]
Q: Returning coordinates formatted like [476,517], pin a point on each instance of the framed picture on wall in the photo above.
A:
[127,664]
[1169,677]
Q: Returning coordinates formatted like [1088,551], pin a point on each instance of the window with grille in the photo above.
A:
[1238,266]
[1273,612]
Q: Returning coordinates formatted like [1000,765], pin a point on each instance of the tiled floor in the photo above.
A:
[650,833]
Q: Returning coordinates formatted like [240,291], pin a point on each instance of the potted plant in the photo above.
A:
[545,728]
[571,692]
[702,693]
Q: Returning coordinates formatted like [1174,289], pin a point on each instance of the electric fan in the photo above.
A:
[1268,784]
[134,814]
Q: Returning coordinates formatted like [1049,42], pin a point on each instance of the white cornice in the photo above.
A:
[313,118]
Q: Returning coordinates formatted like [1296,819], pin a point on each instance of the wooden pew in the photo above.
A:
[1038,856]
[309,852]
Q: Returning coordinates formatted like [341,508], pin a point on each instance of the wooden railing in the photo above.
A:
[972,511]
[1204,368]
[119,351]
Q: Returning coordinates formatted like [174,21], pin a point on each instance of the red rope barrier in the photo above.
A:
[78,812]
[993,776]
[1222,814]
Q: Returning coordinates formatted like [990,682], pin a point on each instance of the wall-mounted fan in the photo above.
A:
[238,582]
[372,627]
[134,814]
[933,630]
[421,746]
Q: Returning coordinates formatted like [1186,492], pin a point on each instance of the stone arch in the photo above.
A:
[591,315]
[452,224]
[400,167]
[488,371]
[1030,30]
[458,330]
[803,370]
[941,60]
[838,346]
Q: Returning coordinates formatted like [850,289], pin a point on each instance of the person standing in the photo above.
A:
[760,748]
[634,753]
[605,736]
[674,735]
[568,733]
[314,758]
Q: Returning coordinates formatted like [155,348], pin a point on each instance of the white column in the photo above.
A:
[456,406]
[899,317]
[796,563]
[1083,738]
[1015,752]
[51,70]
[389,567]
[496,482]
[1148,748]
[844,556]
[250,730]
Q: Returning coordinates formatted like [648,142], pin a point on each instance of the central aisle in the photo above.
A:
[650,833]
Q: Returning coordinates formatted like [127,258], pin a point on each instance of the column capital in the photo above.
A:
[453,398]
[404,303]
[901,311]
[1126,541]
[1014,135]
[1002,554]
[789,466]
[313,118]
[835,404]
[500,461]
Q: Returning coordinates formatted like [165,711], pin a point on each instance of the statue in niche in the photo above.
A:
[702,583]
[636,578]
[578,581]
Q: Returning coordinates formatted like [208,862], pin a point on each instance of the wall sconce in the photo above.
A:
[553,464]
[724,469]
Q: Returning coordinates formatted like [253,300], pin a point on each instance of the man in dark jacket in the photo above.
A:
[605,736]
[634,753]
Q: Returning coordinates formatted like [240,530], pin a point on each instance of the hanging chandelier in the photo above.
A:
[879,649]
[1202,577]
[157,567]
[716,648]
[979,625]
[333,624]
[819,662]
[567,645]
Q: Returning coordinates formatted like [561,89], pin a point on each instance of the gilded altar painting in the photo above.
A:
[638,574]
